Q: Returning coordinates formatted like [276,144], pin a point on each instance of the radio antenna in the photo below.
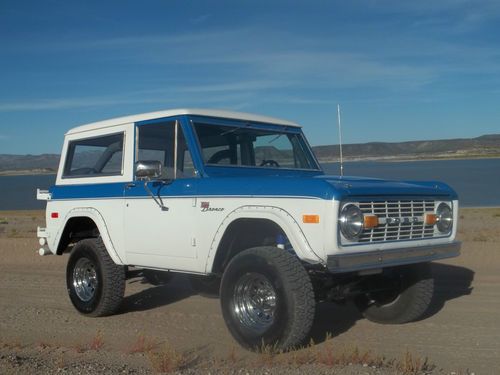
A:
[340,141]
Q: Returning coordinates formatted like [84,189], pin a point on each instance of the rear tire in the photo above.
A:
[267,299]
[96,284]
[407,302]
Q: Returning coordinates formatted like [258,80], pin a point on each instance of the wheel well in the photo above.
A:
[76,229]
[243,234]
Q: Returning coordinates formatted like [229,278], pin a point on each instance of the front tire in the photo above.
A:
[96,284]
[407,301]
[267,299]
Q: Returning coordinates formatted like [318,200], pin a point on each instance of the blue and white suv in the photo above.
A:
[240,202]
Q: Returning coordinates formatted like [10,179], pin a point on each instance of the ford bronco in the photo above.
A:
[239,202]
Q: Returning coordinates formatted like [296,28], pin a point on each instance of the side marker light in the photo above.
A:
[310,219]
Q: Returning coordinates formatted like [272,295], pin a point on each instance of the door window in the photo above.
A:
[158,142]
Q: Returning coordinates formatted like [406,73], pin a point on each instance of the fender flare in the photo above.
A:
[280,217]
[97,218]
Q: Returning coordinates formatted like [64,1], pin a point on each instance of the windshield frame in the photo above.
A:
[241,124]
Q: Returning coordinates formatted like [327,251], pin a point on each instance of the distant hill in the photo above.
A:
[480,147]
[12,164]
[484,146]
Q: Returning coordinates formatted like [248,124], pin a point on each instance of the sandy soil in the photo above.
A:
[168,327]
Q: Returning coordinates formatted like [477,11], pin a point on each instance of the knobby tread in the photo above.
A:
[113,278]
[414,300]
[299,285]
[423,291]
[113,282]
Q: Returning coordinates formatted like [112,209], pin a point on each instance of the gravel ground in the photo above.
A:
[171,328]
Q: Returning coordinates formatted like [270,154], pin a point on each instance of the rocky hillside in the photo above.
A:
[45,163]
[484,146]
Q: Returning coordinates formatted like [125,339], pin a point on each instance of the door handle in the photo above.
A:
[130,185]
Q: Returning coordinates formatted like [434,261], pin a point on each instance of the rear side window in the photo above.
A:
[99,156]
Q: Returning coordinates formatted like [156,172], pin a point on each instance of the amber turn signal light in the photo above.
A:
[370,221]
[430,219]
[310,219]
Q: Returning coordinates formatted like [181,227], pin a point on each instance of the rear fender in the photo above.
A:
[97,218]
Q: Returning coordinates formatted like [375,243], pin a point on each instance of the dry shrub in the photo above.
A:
[329,357]
[232,356]
[268,354]
[301,358]
[80,349]
[411,364]
[97,341]
[42,345]
[170,360]
[60,362]
[142,345]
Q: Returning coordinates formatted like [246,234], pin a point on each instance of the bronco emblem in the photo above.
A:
[205,206]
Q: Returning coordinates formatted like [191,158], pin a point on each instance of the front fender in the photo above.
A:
[280,217]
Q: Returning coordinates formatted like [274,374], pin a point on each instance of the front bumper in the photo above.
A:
[388,258]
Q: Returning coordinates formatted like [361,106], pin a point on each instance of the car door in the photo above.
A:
[155,236]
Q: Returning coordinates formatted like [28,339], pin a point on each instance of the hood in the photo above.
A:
[349,186]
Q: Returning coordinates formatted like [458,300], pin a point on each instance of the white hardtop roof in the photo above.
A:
[177,112]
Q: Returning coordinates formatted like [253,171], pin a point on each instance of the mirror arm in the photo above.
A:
[158,199]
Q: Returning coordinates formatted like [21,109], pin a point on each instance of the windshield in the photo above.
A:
[250,146]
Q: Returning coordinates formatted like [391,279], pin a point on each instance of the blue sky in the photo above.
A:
[401,70]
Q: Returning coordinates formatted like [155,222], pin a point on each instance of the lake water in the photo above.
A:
[476,181]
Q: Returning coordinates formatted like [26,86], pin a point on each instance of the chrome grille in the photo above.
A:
[397,209]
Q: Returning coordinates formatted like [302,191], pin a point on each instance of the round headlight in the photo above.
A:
[444,218]
[351,221]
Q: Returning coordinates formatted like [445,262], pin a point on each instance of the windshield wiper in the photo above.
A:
[279,135]
[234,130]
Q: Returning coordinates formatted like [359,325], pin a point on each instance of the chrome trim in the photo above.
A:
[400,219]
[393,257]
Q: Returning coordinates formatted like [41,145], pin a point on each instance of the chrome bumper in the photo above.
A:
[394,257]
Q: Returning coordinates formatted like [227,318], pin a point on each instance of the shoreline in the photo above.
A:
[27,173]
[388,159]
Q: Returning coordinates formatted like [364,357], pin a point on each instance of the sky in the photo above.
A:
[400,70]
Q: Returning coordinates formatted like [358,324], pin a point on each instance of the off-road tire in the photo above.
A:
[105,298]
[412,299]
[294,298]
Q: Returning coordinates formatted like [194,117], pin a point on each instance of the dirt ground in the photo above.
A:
[170,327]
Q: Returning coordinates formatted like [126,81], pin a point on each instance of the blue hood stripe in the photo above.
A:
[320,187]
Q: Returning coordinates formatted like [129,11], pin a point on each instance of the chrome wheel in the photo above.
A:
[254,302]
[85,279]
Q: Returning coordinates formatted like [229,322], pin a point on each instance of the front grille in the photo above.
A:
[398,230]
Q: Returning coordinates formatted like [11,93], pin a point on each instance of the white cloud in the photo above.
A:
[60,103]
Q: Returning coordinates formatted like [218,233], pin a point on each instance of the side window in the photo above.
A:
[98,156]
[157,142]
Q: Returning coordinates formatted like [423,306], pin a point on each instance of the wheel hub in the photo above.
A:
[254,302]
[85,279]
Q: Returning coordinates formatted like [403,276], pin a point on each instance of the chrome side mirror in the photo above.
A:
[148,169]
